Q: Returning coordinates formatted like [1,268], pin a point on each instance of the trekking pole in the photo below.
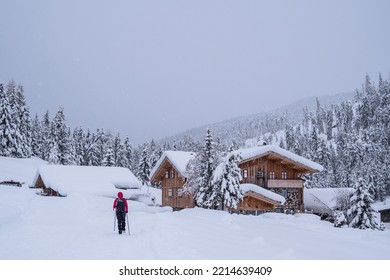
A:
[128,225]
[114,220]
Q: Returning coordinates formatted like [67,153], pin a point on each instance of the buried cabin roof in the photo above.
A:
[66,179]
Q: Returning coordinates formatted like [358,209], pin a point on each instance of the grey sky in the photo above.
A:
[150,69]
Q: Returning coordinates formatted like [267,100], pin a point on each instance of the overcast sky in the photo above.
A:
[150,69]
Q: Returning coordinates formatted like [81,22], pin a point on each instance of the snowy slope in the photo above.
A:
[80,226]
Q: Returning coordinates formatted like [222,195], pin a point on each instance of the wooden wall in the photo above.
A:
[177,200]
[250,203]
[39,183]
[267,164]
[173,184]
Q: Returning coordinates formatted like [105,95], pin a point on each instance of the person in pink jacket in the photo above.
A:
[121,208]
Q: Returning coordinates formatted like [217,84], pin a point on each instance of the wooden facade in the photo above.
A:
[172,183]
[255,202]
[278,174]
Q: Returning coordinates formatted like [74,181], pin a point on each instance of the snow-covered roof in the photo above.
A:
[252,152]
[178,159]
[67,179]
[323,199]
[382,205]
[19,169]
[266,193]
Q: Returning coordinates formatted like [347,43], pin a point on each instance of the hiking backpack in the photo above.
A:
[120,205]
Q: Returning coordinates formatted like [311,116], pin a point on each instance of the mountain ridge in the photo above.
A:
[253,125]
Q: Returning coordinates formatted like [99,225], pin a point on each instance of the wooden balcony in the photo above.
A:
[285,184]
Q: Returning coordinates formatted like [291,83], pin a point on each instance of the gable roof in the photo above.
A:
[67,179]
[178,159]
[250,153]
[252,188]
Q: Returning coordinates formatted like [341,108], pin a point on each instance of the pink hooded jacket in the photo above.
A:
[120,195]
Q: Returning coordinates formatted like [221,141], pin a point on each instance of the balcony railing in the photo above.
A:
[285,184]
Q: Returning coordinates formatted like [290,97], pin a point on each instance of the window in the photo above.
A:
[166,174]
[272,175]
[245,173]
[284,175]
[169,192]
[172,174]
[283,193]
[260,174]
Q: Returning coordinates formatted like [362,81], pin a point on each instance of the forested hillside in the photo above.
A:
[239,129]
[351,140]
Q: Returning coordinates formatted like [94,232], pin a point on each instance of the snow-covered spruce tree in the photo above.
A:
[99,148]
[192,175]
[91,149]
[226,183]
[118,150]
[25,128]
[329,124]
[36,137]
[53,154]
[121,153]
[207,161]
[339,219]
[155,153]
[16,121]
[361,214]
[109,158]
[78,145]
[46,137]
[62,138]
[144,167]
[7,125]
[129,154]
[320,117]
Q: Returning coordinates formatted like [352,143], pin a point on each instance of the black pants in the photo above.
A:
[121,216]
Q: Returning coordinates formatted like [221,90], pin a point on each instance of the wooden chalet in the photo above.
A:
[272,179]
[170,172]
[279,171]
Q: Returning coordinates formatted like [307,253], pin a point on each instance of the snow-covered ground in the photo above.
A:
[80,226]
